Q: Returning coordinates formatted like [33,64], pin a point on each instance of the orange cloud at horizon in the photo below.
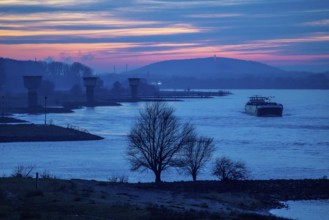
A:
[177,29]
[105,55]
[48,2]
[108,54]
[145,31]
[48,20]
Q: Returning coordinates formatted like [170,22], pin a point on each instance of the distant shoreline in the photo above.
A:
[37,132]
[11,120]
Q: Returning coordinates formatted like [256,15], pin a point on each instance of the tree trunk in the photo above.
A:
[194,176]
[157,176]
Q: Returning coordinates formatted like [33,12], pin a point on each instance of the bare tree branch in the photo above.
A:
[196,154]
[156,139]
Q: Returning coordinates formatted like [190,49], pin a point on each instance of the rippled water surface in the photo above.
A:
[293,146]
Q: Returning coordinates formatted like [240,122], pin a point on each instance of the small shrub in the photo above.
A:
[23,172]
[46,175]
[226,169]
[118,179]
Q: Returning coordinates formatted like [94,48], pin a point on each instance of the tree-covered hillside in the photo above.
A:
[55,74]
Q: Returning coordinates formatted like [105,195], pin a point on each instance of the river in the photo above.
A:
[293,146]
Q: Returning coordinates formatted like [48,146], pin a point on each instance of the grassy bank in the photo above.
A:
[35,132]
[82,199]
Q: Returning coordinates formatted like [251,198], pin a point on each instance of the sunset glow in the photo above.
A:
[103,34]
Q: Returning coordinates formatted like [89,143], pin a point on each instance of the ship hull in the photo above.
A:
[264,111]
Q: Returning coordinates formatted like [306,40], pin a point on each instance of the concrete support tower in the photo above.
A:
[134,83]
[90,83]
[32,83]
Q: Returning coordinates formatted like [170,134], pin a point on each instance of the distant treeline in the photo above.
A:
[312,81]
[63,76]
[62,83]
[228,73]
[55,74]
[308,81]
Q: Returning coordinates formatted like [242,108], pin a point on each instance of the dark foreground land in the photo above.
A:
[36,132]
[82,199]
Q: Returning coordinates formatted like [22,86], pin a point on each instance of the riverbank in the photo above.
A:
[82,199]
[6,120]
[37,132]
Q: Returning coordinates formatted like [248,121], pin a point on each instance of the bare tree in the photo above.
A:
[226,169]
[22,171]
[196,154]
[156,138]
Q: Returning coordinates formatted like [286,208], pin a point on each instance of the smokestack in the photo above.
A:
[90,83]
[32,83]
[134,82]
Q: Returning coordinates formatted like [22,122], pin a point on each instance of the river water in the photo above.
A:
[293,146]
[304,210]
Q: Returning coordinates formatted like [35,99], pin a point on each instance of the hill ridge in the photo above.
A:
[209,67]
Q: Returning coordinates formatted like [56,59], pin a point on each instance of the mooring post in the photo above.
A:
[45,110]
[36,180]
[3,106]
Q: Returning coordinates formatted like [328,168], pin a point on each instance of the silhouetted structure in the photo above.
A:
[90,83]
[32,83]
[2,106]
[134,83]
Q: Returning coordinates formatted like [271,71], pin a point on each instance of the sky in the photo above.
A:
[115,36]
